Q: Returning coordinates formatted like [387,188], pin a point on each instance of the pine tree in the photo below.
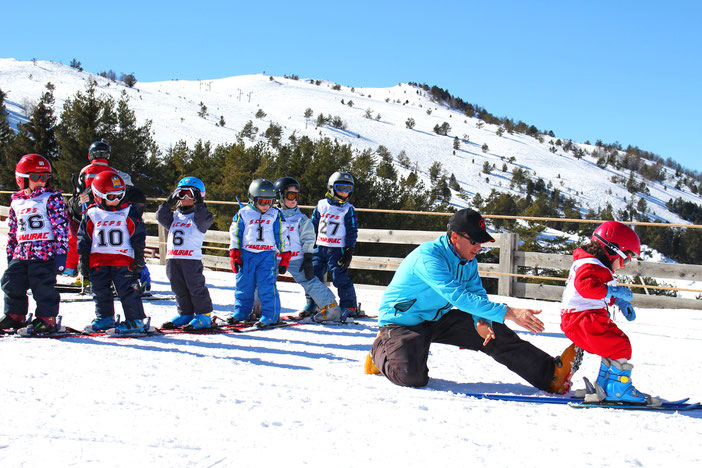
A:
[86,118]
[7,160]
[38,134]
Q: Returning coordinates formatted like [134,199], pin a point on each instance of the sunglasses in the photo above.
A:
[292,196]
[264,201]
[472,242]
[186,193]
[37,177]
[344,188]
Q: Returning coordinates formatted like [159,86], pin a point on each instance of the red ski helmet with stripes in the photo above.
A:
[619,240]
[31,164]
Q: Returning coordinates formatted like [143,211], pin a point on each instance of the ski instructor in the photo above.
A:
[436,296]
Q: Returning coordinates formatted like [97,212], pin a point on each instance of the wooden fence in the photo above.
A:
[518,273]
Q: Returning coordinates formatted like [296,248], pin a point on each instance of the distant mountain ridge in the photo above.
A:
[405,119]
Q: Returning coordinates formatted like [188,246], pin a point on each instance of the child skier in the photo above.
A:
[336,224]
[187,226]
[301,239]
[36,247]
[590,289]
[256,232]
[111,241]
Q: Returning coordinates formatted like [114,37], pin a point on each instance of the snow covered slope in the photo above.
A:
[298,397]
[173,107]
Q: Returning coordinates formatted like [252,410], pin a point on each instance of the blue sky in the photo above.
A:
[626,71]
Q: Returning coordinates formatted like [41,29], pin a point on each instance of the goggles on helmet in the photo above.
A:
[343,188]
[292,196]
[264,201]
[186,193]
[37,177]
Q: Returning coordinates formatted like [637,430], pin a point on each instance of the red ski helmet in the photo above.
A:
[619,240]
[31,164]
[108,185]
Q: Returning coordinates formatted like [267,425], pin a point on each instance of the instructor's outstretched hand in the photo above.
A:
[525,318]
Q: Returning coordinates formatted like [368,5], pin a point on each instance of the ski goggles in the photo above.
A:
[37,177]
[614,248]
[343,188]
[472,242]
[264,201]
[292,196]
[186,193]
[111,196]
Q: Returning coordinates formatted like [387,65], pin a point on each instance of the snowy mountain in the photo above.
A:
[372,117]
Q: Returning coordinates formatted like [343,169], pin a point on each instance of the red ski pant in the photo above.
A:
[72,254]
[594,331]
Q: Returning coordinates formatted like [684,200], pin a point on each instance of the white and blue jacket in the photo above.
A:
[432,280]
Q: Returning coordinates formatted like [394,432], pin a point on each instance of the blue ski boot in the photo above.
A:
[100,324]
[130,326]
[178,322]
[310,309]
[199,322]
[616,377]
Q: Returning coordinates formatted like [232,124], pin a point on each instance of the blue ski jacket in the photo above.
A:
[432,280]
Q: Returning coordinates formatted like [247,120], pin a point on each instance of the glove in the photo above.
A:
[284,262]
[138,263]
[619,292]
[197,195]
[235,260]
[307,266]
[84,266]
[172,199]
[626,309]
[346,256]
[60,263]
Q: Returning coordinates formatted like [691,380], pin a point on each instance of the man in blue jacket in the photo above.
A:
[436,296]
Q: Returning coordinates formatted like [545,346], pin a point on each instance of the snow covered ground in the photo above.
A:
[298,397]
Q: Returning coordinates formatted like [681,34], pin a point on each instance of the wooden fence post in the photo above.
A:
[162,244]
[509,243]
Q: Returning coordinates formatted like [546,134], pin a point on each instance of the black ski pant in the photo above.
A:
[101,280]
[401,352]
[188,285]
[37,275]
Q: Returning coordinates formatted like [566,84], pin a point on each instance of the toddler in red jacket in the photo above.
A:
[590,291]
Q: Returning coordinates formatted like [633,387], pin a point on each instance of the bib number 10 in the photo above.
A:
[114,237]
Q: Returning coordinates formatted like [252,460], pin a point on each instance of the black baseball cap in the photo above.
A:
[470,223]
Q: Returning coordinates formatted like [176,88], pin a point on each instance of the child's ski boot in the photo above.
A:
[130,326]
[13,322]
[614,384]
[40,326]
[199,322]
[100,324]
[309,310]
[329,313]
[178,321]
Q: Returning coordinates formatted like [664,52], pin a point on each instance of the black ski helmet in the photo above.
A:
[261,188]
[283,183]
[98,150]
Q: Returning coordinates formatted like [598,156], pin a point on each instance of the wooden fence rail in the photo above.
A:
[510,282]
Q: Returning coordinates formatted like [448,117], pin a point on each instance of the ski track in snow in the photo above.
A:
[298,396]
